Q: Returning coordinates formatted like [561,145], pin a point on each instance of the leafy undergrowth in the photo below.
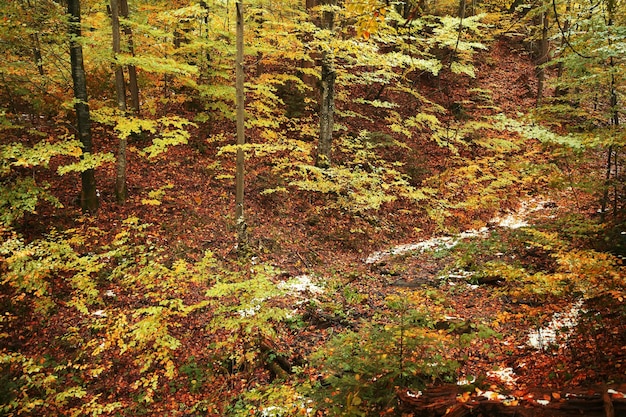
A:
[145,309]
[503,313]
[126,329]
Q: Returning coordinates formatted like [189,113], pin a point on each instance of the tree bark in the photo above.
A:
[462,9]
[88,195]
[327,110]
[327,105]
[559,91]
[542,58]
[133,87]
[614,120]
[242,239]
[120,87]
[37,53]
[121,189]
[305,64]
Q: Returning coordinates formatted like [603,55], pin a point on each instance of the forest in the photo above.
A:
[312,208]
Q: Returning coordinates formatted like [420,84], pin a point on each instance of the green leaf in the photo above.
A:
[87,161]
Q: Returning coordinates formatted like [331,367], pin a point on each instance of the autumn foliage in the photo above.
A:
[459,251]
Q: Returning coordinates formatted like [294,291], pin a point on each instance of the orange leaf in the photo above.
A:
[463,398]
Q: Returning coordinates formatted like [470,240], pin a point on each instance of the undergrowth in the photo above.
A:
[120,320]
[403,347]
[124,316]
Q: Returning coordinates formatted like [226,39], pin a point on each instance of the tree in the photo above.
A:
[241,138]
[327,85]
[133,86]
[542,48]
[121,190]
[33,48]
[120,8]
[88,196]
[614,113]
[590,83]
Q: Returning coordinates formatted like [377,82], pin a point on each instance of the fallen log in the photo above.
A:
[447,401]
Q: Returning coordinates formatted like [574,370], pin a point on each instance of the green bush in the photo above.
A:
[363,369]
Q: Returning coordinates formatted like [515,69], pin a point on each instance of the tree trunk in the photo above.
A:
[242,239]
[462,9]
[542,57]
[327,105]
[120,88]
[121,189]
[88,195]
[37,53]
[613,101]
[604,201]
[307,78]
[443,401]
[327,109]
[559,91]
[133,87]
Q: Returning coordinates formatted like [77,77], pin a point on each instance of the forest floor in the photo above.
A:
[523,359]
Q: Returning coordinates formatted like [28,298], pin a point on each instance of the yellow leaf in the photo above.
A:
[150,202]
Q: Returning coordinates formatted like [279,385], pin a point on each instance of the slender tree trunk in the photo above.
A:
[28,8]
[327,110]
[607,183]
[37,53]
[307,78]
[461,15]
[120,86]
[88,196]
[559,91]
[462,9]
[327,105]
[612,151]
[616,188]
[242,238]
[121,189]
[404,9]
[133,87]
[611,164]
[542,57]
[615,116]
